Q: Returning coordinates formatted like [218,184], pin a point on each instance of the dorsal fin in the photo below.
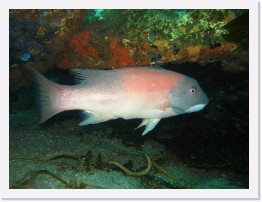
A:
[157,67]
[91,75]
[149,67]
[88,75]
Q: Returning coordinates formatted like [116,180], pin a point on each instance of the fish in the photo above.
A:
[150,93]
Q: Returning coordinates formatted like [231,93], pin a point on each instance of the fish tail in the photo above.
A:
[48,101]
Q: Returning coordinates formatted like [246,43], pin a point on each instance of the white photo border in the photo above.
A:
[251,193]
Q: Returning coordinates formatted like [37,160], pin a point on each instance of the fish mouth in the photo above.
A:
[195,108]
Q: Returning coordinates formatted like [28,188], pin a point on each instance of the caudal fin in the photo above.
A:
[47,97]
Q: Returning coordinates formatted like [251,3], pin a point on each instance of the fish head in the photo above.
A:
[187,96]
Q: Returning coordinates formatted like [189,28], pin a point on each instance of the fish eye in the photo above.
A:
[193,90]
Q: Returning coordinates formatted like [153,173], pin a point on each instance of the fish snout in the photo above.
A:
[198,107]
[195,108]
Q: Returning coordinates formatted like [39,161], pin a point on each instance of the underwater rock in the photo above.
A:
[38,37]
[115,38]
[239,30]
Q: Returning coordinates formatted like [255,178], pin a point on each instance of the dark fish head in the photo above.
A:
[187,96]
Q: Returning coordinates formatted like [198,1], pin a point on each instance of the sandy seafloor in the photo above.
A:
[96,146]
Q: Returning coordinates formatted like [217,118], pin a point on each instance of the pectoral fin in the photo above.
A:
[149,123]
[165,103]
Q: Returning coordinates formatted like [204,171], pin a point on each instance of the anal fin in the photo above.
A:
[149,123]
[91,118]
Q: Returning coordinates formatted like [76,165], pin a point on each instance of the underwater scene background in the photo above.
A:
[208,149]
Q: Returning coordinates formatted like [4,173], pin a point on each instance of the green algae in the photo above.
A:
[177,27]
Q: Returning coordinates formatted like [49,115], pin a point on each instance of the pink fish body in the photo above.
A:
[133,92]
